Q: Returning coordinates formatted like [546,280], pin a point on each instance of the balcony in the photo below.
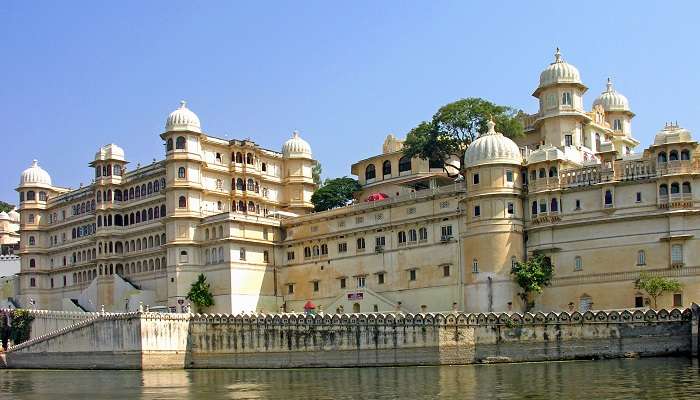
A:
[676,200]
[677,167]
[537,185]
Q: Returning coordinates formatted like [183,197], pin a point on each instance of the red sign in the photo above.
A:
[355,296]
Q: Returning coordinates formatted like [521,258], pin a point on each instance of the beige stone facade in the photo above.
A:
[574,187]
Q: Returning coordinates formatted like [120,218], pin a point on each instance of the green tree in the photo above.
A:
[316,173]
[533,276]
[334,193]
[454,126]
[200,293]
[655,286]
[6,207]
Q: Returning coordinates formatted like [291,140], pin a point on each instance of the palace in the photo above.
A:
[574,188]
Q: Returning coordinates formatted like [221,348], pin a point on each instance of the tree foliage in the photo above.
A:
[15,325]
[6,207]
[655,286]
[533,276]
[334,193]
[316,173]
[200,293]
[454,126]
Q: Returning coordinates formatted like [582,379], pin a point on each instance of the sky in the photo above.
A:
[76,75]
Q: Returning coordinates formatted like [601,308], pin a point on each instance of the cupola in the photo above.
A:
[559,72]
[296,147]
[34,176]
[492,148]
[612,101]
[183,119]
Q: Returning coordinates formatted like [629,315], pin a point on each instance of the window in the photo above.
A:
[360,281]
[568,140]
[412,235]
[673,155]
[402,238]
[543,206]
[404,164]
[638,301]
[30,218]
[509,176]
[510,209]
[686,187]
[249,158]
[290,255]
[342,283]
[412,275]
[169,146]
[663,190]
[578,263]
[639,197]
[475,266]
[423,234]
[566,99]
[183,257]
[554,205]
[380,241]
[617,125]
[32,241]
[685,155]
[386,168]
[342,247]
[475,179]
[677,253]
[180,143]
[661,157]
[677,300]
[241,254]
[218,158]
[32,282]
[315,286]
[32,263]
[266,256]
[290,288]
[315,251]
[324,249]
[31,195]
[182,202]
[307,252]
[552,172]
[608,198]
[542,173]
[477,211]
[446,231]
[380,278]
[445,270]
[263,166]
[641,257]
[370,172]
[675,188]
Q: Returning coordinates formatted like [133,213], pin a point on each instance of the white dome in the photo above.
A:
[611,100]
[110,152]
[4,216]
[296,147]
[14,215]
[559,72]
[672,133]
[492,148]
[34,175]
[183,119]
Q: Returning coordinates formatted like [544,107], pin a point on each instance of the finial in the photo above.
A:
[35,162]
[557,56]
[183,104]
[295,134]
[491,127]
[609,85]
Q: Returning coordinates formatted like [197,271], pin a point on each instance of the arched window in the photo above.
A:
[566,99]
[554,206]
[370,173]
[423,234]
[578,263]
[180,143]
[156,212]
[32,263]
[675,188]
[99,197]
[221,231]
[404,164]
[249,158]
[183,256]
[263,166]
[412,235]
[169,146]
[663,190]
[32,282]
[641,257]
[251,185]
[150,188]
[143,189]
[239,157]
[686,187]
[162,211]
[31,195]
[316,251]
[608,198]
[534,207]
[360,243]
[475,266]
[543,173]
[218,205]
[685,155]
[182,202]
[241,206]
[242,253]
[402,237]
[324,249]
[251,207]
[552,172]
[240,185]
[156,186]
[143,216]
[673,155]
[150,214]
[307,252]
[218,158]
[617,125]
[32,241]
[386,167]
[42,196]
[662,157]
[597,142]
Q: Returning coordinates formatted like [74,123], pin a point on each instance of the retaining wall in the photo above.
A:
[152,340]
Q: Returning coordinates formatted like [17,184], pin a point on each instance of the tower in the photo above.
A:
[298,174]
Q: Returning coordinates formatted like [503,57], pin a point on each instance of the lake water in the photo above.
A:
[650,378]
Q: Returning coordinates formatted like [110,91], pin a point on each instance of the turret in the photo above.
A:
[298,173]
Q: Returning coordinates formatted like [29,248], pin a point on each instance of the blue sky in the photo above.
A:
[78,75]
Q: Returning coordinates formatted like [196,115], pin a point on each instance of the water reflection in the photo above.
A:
[667,378]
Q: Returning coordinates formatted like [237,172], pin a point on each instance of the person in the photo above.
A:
[571,307]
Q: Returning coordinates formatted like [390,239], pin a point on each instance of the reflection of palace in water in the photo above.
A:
[575,187]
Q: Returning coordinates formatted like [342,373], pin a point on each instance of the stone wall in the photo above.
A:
[152,340]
